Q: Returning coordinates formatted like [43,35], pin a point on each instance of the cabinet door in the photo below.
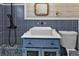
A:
[50,52]
[31,52]
[67,10]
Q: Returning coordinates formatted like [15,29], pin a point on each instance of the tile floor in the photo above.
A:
[15,51]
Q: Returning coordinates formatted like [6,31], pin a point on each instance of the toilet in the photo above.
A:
[68,40]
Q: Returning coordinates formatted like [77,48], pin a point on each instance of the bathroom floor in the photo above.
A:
[14,51]
[18,52]
[73,53]
[10,51]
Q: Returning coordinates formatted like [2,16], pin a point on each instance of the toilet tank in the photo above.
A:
[68,39]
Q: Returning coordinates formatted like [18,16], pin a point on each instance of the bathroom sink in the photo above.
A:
[45,31]
[41,32]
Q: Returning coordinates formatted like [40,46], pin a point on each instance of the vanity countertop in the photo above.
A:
[29,35]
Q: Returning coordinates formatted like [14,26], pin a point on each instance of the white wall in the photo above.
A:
[30,10]
[64,10]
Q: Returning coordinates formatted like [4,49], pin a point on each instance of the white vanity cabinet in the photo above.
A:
[40,44]
[41,47]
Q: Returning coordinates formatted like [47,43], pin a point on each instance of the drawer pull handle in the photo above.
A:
[52,43]
[29,43]
[55,47]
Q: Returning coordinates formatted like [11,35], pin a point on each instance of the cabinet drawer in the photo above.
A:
[41,43]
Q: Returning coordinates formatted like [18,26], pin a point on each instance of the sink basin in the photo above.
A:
[42,31]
